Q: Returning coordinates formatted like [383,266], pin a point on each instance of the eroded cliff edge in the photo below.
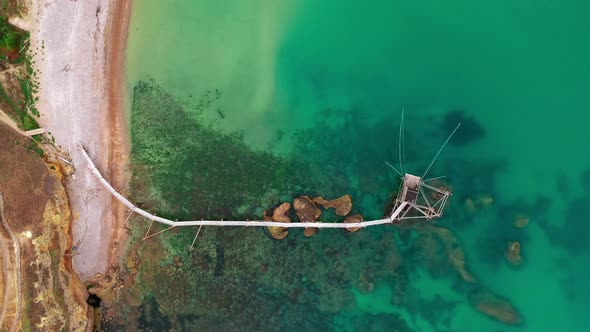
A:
[36,236]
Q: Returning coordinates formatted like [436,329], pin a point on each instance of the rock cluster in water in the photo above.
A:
[342,205]
[291,284]
[307,210]
[441,251]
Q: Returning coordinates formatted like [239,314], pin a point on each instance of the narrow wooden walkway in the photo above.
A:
[37,131]
[12,124]
[255,223]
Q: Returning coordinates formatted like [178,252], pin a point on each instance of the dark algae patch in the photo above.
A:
[192,170]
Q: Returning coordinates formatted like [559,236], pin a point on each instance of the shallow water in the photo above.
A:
[324,83]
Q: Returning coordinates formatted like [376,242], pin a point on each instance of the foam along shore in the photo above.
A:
[78,48]
[259,223]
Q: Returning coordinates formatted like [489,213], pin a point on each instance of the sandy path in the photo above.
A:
[12,283]
[79,105]
[10,122]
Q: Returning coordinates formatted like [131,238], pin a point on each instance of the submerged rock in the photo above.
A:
[439,248]
[482,201]
[521,221]
[512,253]
[306,211]
[470,205]
[494,306]
[485,200]
[309,231]
[342,205]
[280,214]
[453,250]
[351,219]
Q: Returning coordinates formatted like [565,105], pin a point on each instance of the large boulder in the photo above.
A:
[342,205]
[306,211]
[351,219]
[280,214]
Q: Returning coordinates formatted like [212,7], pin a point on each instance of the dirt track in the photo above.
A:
[37,217]
[11,307]
[22,200]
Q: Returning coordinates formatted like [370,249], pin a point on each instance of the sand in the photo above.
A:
[79,49]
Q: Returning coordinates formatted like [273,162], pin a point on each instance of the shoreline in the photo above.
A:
[79,50]
[118,107]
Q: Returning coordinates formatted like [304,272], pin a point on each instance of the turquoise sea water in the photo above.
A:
[323,83]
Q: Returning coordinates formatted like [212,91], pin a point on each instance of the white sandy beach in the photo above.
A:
[68,38]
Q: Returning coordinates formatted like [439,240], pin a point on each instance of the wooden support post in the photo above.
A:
[148,230]
[158,233]
[128,217]
[64,160]
[195,239]
[24,46]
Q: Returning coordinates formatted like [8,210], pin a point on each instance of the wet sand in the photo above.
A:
[117,115]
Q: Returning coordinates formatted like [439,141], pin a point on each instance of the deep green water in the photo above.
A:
[247,103]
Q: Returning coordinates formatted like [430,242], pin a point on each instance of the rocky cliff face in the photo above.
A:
[39,290]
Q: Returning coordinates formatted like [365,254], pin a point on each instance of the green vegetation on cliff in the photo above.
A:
[17,77]
[12,41]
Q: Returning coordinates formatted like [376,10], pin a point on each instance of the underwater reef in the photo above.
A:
[259,279]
